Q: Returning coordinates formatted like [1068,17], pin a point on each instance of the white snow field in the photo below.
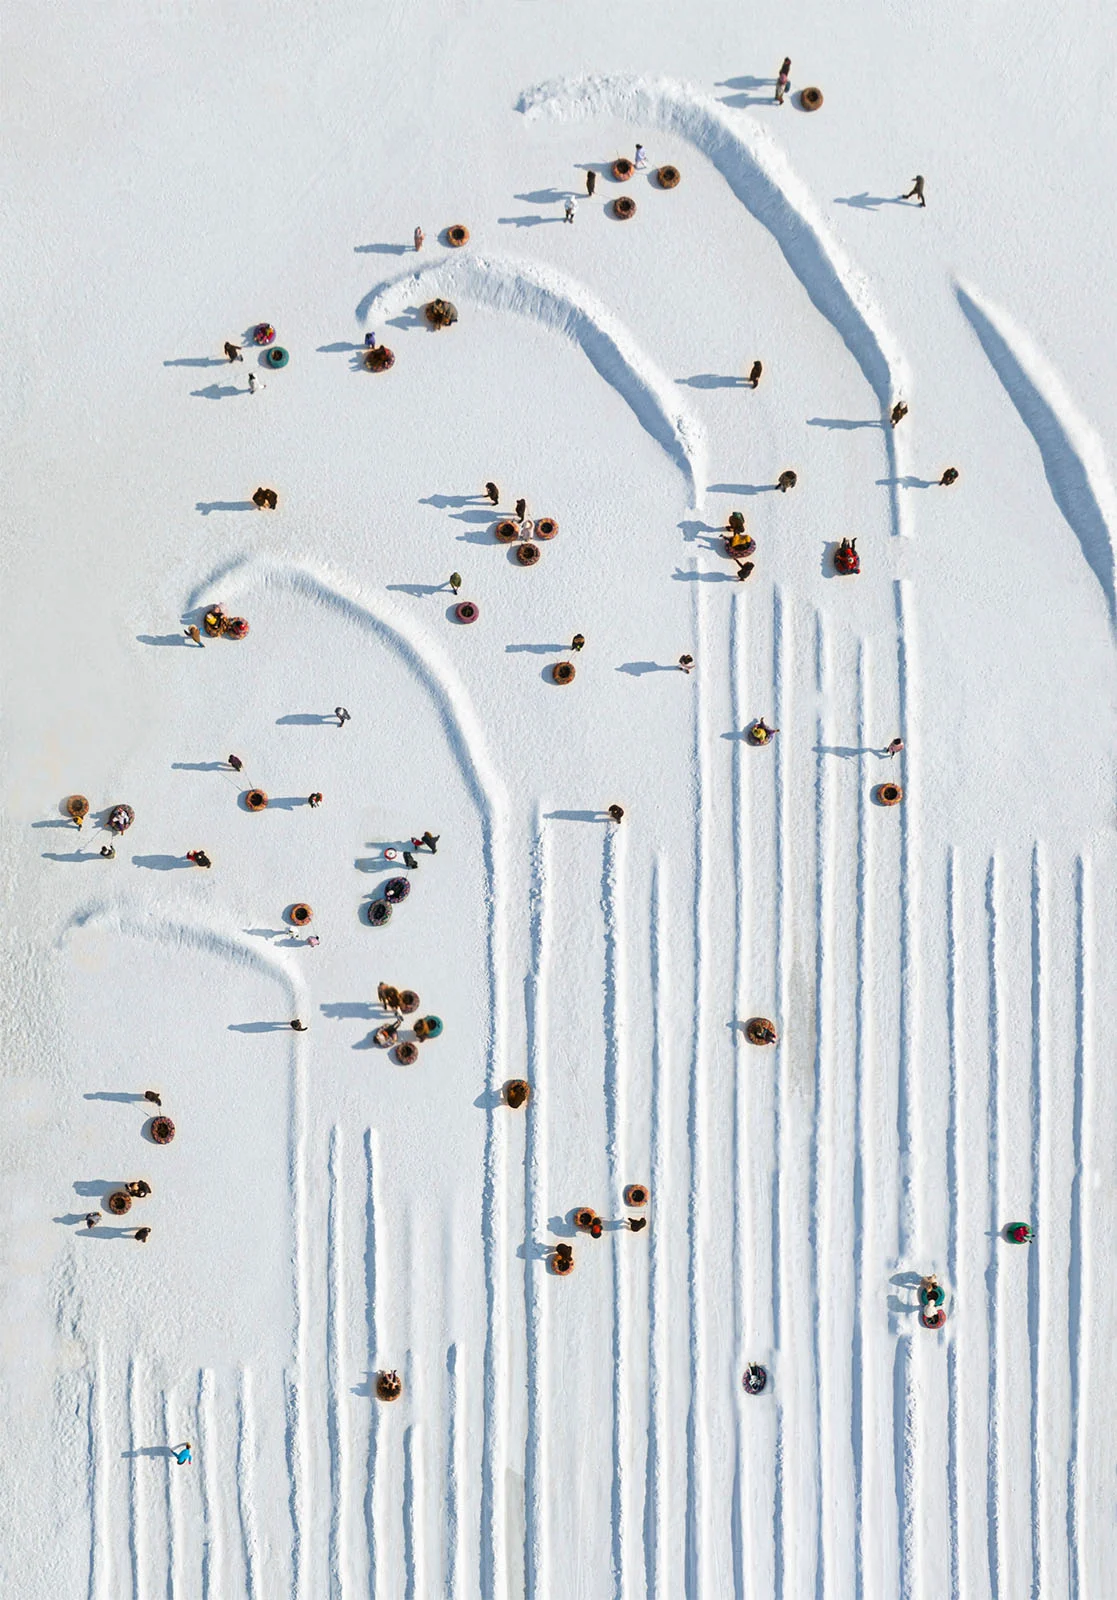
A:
[938,971]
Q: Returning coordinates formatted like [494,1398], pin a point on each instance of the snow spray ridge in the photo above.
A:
[560,303]
[1072,453]
[761,177]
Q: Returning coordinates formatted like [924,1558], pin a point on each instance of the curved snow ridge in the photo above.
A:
[758,172]
[460,722]
[1072,453]
[567,307]
[168,929]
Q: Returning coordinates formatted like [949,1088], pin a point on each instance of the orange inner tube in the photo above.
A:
[458,235]
[636,1195]
[301,915]
[388,1386]
[758,1029]
[255,799]
[625,207]
[506,532]
[668,177]
[408,1001]
[563,672]
[528,554]
[546,528]
[890,794]
[517,1092]
[561,1265]
[584,1218]
[78,806]
[623,169]
[119,1203]
[811,99]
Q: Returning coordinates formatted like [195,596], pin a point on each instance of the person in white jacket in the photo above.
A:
[571,208]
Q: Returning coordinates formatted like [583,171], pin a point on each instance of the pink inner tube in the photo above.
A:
[263,333]
[466,612]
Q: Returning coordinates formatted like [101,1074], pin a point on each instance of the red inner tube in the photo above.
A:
[407,1052]
[466,612]
[162,1130]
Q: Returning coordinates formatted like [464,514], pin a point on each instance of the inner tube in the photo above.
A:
[506,532]
[408,1001]
[215,622]
[440,313]
[929,1318]
[78,807]
[847,560]
[755,1380]
[759,735]
[517,1092]
[466,612]
[379,913]
[388,1386]
[931,1294]
[263,333]
[745,547]
[407,1052]
[636,1195]
[562,1264]
[162,1130]
[277,356]
[385,1037]
[236,628]
[810,99]
[119,1203]
[1018,1233]
[528,554]
[624,207]
[457,235]
[300,915]
[890,794]
[546,528]
[668,177]
[563,672]
[380,358]
[623,169]
[121,818]
[396,889]
[584,1218]
[255,799]
[761,1030]
[428,1027]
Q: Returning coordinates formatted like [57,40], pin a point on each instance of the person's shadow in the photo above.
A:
[157,1452]
[866,201]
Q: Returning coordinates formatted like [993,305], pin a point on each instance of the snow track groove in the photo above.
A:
[538,1579]
[657,1563]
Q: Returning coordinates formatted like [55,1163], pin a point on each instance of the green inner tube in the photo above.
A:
[277,356]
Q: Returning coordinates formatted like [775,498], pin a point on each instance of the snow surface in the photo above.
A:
[936,970]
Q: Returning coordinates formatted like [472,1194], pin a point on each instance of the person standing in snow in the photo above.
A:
[899,412]
[314,941]
[154,1096]
[298,1025]
[455,581]
[109,852]
[591,181]
[521,509]
[342,716]
[181,1453]
[787,480]
[409,860]
[232,351]
[949,476]
[431,841]
[493,493]
[640,160]
[252,383]
[637,1223]
[199,858]
[686,663]
[745,570]
[92,1218]
[419,236]
[314,800]
[570,208]
[192,633]
[236,763]
[894,748]
[916,191]
[142,1235]
[578,641]
[616,813]
[754,374]
[783,82]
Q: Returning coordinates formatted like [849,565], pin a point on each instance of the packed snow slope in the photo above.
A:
[936,970]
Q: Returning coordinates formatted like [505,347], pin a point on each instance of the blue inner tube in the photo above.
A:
[396,889]
[277,356]
[432,1027]
[378,913]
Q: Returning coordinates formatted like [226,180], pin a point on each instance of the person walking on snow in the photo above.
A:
[493,493]
[232,351]
[252,383]
[570,208]
[745,570]
[199,858]
[419,238]
[181,1453]
[342,716]
[640,160]
[894,748]
[192,633]
[783,82]
[949,476]
[578,641]
[521,508]
[899,412]
[916,191]
[787,480]
[431,841]
[754,374]
[455,581]
[154,1096]
[591,181]
[314,800]
[236,763]
[409,860]
[142,1235]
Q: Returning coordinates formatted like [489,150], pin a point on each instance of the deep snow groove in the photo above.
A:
[536,1579]
[1072,453]
[565,306]
[655,1564]
[759,174]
